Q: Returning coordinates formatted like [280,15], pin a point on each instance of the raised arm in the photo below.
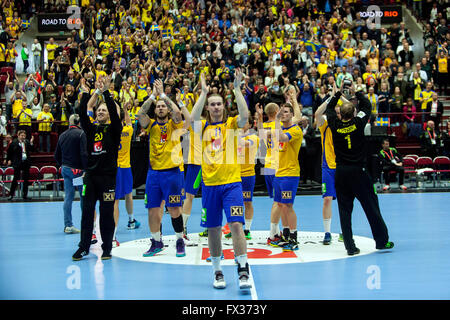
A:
[143,118]
[240,100]
[198,107]
[319,115]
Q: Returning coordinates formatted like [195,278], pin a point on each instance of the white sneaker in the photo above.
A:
[219,280]
[244,282]
[71,229]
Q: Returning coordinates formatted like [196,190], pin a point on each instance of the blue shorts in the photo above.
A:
[269,174]
[224,198]
[248,185]
[192,171]
[285,189]
[183,193]
[163,185]
[328,188]
[124,182]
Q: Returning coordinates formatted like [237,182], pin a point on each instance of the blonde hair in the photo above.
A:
[271,109]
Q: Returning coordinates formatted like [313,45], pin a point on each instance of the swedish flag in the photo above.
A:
[154,27]
[25,24]
[313,46]
[383,122]
[166,33]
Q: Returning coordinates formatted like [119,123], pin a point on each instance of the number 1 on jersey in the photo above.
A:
[349,141]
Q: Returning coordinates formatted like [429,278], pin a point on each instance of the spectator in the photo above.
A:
[24,54]
[36,49]
[430,140]
[45,120]
[435,109]
[391,160]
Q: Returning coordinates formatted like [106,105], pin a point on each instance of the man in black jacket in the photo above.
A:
[18,157]
[352,179]
[71,155]
[103,140]
[391,160]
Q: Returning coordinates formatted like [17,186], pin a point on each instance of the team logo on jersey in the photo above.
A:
[163,138]
[108,196]
[98,146]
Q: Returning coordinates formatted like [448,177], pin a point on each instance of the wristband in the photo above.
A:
[152,97]
[98,92]
[163,95]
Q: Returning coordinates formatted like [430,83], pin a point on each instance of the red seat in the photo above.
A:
[54,180]
[423,162]
[5,70]
[441,165]
[414,156]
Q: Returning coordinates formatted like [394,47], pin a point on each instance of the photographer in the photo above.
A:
[352,179]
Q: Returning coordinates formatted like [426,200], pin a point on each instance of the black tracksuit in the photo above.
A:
[103,142]
[352,179]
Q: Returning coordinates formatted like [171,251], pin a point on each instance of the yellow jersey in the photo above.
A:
[328,155]
[164,144]
[51,51]
[288,152]
[123,157]
[247,155]
[271,159]
[219,161]
[442,65]
[25,117]
[17,107]
[426,96]
[47,118]
[195,144]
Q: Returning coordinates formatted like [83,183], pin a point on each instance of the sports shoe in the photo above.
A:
[386,187]
[71,229]
[79,254]
[219,280]
[248,236]
[115,243]
[226,229]
[388,245]
[133,224]
[94,239]
[341,238]
[181,252]
[274,242]
[209,258]
[327,238]
[228,235]
[244,277]
[157,246]
[353,251]
[106,255]
[204,233]
[291,245]
[403,187]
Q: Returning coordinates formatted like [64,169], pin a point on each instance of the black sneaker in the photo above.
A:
[244,277]
[79,254]
[106,255]
[354,251]
[388,245]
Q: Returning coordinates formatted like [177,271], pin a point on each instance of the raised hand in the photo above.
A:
[204,86]
[237,78]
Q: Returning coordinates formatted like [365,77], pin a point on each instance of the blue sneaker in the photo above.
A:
[181,252]
[157,246]
[209,258]
[292,245]
[327,238]
[133,224]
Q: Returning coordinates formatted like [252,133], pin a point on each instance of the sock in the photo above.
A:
[286,233]
[114,236]
[273,230]
[248,224]
[185,218]
[177,224]
[242,260]
[179,235]
[130,217]
[156,236]
[216,263]
[327,225]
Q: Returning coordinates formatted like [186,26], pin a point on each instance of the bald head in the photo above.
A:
[74,120]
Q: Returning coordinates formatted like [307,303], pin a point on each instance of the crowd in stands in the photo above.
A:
[308,45]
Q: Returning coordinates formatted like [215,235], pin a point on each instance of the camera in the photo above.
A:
[347,83]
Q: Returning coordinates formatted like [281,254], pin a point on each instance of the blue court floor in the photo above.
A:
[36,264]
